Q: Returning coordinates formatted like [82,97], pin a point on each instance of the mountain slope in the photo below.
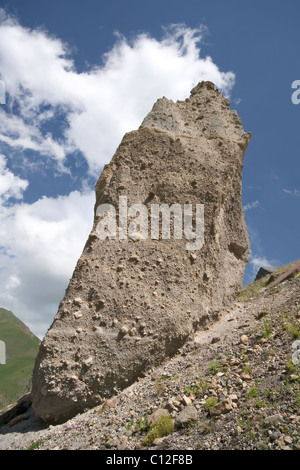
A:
[21,350]
[242,364]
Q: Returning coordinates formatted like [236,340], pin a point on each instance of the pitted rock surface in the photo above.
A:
[133,302]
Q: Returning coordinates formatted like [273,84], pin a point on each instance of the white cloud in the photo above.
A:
[11,186]
[259,261]
[100,105]
[251,205]
[42,243]
[87,112]
[292,192]
[19,135]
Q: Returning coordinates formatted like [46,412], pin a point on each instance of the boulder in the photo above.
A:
[168,248]
[222,407]
[264,271]
[186,417]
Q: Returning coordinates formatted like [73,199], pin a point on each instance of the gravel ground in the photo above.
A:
[234,387]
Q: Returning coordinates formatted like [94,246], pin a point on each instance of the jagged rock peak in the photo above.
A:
[140,290]
[206,113]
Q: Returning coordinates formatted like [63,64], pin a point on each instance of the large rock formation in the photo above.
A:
[134,300]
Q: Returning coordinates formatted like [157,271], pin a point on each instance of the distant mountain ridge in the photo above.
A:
[21,347]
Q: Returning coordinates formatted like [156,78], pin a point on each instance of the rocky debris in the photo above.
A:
[110,403]
[139,292]
[296,352]
[244,339]
[222,407]
[186,417]
[265,410]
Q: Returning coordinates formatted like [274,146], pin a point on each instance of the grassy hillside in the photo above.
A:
[21,350]
[257,287]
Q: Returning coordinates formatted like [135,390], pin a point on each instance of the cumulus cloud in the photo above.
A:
[11,186]
[42,242]
[55,112]
[101,104]
[20,136]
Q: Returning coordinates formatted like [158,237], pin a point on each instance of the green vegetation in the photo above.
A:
[175,377]
[267,329]
[253,392]
[163,426]
[268,394]
[293,330]
[246,358]
[21,350]
[214,367]
[129,425]
[191,389]
[203,427]
[202,385]
[290,365]
[160,385]
[142,424]
[246,424]
[298,398]
[35,445]
[254,289]
[259,403]
[210,402]
[163,377]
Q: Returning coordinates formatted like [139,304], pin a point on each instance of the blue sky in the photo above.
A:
[78,75]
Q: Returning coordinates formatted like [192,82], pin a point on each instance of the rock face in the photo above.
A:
[137,294]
